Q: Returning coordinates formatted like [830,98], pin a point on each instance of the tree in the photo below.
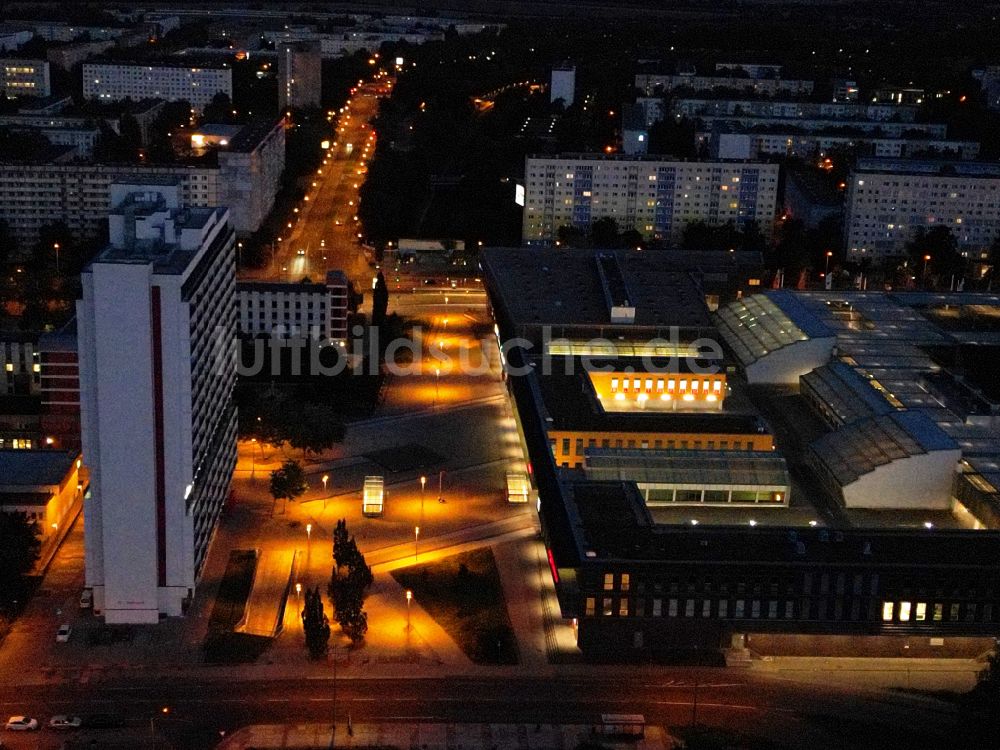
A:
[380,300]
[993,259]
[937,250]
[340,541]
[348,595]
[604,232]
[571,236]
[315,624]
[219,110]
[288,482]
[19,549]
[348,590]
[313,427]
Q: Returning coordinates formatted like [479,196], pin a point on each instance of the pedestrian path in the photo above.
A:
[270,590]
[405,736]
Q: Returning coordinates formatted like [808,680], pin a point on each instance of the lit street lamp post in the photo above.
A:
[309,529]
[326,478]
[423,483]
[55,246]
[409,598]
[152,727]
[416,542]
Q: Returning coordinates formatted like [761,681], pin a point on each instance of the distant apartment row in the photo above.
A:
[886,199]
[63,189]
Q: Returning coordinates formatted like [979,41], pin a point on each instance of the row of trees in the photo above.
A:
[285,416]
[20,546]
[698,235]
[348,587]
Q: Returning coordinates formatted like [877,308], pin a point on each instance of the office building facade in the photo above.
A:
[159,435]
[656,197]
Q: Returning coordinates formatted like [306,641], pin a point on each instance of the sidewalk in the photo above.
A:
[432,737]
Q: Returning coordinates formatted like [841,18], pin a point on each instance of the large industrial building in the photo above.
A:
[157,368]
[875,529]
[901,386]
[657,197]
[889,200]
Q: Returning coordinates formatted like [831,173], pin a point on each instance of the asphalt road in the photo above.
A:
[323,235]
[801,714]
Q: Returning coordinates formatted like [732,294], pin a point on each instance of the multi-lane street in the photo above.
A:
[199,711]
[324,231]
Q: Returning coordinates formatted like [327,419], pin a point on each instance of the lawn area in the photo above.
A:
[463,594]
[234,590]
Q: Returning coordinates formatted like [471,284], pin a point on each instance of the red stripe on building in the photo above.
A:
[161,500]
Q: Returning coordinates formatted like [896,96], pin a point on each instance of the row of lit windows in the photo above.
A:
[935,612]
[785,609]
[637,384]
[569,444]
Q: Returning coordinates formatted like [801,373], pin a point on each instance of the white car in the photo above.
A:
[65,722]
[64,632]
[21,724]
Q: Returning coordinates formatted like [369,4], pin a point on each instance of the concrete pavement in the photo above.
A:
[433,736]
[270,589]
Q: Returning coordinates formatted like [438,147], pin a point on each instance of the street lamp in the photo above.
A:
[152,729]
[298,590]
[416,542]
[55,246]
[829,254]
[926,261]
[437,380]
[423,483]
[409,598]
[309,532]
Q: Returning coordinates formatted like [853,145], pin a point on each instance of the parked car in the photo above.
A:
[87,599]
[21,724]
[64,632]
[65,722]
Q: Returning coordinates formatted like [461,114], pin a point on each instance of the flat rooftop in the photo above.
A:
[564,287]
[277,287]
[25,468]
[928,167]
[570,403]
